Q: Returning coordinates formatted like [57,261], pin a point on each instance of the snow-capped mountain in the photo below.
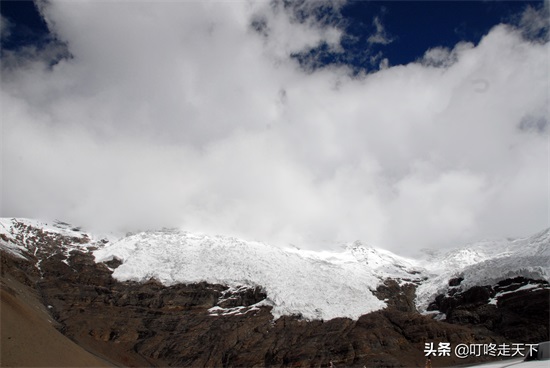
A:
[485,263]
[20,236]
[314,285]
[311,284]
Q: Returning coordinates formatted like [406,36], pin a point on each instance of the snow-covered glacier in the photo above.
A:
[311,284]
[485,263]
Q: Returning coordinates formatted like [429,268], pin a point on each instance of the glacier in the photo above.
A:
[310,284]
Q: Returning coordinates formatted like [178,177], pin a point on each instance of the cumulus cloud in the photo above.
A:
[193,114]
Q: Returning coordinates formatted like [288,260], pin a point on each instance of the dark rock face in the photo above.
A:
[456,281]
[399,297]
[157,325]
[148,324]
[521,312]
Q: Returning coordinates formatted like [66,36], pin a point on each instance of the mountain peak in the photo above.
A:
[314,284]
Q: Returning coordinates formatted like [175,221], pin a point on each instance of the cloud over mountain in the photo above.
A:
[194,115]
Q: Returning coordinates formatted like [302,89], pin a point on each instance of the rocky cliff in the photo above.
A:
[202,324]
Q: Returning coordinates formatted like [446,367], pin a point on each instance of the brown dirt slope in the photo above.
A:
[28,334]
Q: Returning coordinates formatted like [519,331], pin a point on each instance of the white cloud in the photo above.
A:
[381,36]
[5,27]
[535,21]
[181,114]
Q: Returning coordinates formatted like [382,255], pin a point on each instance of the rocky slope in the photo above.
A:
[517,308]
[148,323]
[29,337]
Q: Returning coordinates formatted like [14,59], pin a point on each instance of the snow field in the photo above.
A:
[312,284]
[295,284]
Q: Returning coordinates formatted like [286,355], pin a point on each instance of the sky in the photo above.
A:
[405,125]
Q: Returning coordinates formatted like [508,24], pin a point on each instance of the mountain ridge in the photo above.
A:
[334,284]
[244,322]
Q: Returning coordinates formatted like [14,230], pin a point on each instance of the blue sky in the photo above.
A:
[26,25]
[407,29]
[402,124]
[410,28]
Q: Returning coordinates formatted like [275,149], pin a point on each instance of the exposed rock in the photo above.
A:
[396,296]
[455,281]
[114,263]
[519,313]
[148,324]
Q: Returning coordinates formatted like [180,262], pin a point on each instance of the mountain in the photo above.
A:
[171,297]
[310,284]
[485,263]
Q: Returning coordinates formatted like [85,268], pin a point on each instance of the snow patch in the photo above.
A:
[531,287]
